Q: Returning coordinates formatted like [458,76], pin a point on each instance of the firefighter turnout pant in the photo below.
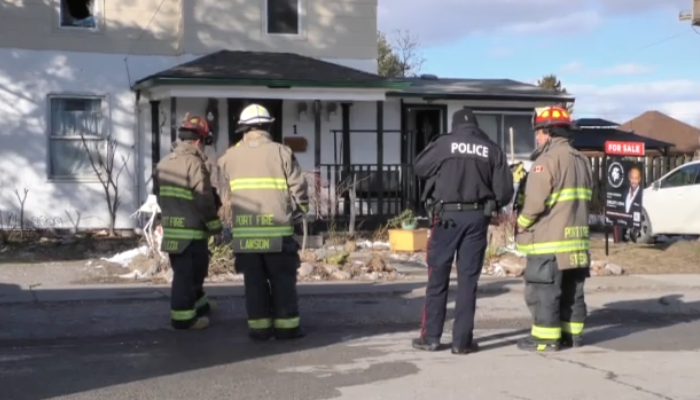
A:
[464,234]
[555,298]
[270,291]
[187,299]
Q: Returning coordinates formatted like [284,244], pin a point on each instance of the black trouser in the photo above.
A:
[270,289]
[187,298]
[467,237]
[555,298]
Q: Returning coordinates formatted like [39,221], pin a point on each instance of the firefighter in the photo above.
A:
[189,216]
[553,231]
[471,182]
[267,188]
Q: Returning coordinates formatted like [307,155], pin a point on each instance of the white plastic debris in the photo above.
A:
[149,207]
[126,257]
[378,245]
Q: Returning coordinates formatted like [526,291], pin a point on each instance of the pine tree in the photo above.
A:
[551,82]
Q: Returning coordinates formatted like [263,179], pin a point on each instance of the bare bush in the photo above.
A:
[108,173]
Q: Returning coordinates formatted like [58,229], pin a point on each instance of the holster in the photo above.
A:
[429,209]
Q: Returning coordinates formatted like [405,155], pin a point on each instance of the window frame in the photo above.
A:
[301,16]
[98,7]
[502,131]
[102,139]
[678,171]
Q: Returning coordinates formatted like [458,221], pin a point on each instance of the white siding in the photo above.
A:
[27,78]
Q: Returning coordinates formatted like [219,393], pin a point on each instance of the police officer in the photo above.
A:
[472,182]
[267,187]
[189,215]
[553,232]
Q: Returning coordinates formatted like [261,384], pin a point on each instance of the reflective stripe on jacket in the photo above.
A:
[186,198]
[556,206]
[266,182]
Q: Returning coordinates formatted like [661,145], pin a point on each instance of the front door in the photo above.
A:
[236,106]
[421,123]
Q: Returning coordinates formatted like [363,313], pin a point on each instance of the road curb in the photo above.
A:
[410,288]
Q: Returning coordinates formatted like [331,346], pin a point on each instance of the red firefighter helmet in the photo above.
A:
[552,116]
[199,126]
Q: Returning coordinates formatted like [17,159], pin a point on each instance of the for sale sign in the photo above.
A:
[624,179]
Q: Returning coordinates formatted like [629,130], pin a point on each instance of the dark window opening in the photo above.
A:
[78,14]
[283,17]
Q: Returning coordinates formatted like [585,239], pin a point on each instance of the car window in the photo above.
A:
[684,176]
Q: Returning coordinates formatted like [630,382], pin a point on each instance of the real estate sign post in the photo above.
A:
[624,185]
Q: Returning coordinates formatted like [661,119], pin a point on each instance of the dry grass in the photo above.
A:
[682,257]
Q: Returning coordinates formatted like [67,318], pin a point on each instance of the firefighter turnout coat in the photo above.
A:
[186,198]
[555,208]
[266,184]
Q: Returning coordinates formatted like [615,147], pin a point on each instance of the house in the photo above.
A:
[93,69]
[657,125]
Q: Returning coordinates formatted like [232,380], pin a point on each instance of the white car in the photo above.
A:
[671,205]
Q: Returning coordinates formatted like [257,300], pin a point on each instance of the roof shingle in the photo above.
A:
[659,126]
[250,65]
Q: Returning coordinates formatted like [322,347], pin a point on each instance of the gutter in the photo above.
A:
[481,96]
[272,83]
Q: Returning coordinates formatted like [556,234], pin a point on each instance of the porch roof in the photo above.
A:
[592,133]
[431,87]
[266,69]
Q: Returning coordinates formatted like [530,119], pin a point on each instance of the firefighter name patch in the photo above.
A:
[538,168]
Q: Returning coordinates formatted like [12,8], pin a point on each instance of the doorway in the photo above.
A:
[236,106]
[421,123]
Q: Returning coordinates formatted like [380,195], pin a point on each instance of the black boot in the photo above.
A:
[260,335]
[472,348]
[536,345]
[289,334]
[568,340]
[424,344]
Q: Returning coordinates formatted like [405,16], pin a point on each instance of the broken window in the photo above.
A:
[283,17]
[78,14]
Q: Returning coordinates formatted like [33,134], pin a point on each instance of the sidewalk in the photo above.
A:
[10,293]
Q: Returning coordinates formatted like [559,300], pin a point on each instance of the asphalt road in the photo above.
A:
[653,361]
[640,346]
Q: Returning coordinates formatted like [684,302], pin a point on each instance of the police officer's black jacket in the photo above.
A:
[467,167]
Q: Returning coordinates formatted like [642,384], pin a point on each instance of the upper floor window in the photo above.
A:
[78,14]
[283,17]
[76,136]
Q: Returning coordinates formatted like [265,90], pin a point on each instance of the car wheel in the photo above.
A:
[644,234]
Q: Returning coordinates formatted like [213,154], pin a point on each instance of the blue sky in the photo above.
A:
[619,58]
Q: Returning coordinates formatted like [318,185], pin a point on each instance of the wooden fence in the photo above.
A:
[655,168]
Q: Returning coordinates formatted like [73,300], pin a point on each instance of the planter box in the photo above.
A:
[410,240]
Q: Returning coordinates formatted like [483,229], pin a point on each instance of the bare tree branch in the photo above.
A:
[104,167]
[406,46]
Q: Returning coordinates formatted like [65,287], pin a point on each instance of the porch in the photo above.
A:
[344,125]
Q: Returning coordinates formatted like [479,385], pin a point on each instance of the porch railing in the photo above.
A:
[380,192]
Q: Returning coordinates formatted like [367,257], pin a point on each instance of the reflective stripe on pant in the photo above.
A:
[270,287]
[555,298]
[468,239]
[187,297]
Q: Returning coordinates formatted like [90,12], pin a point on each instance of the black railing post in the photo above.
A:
[380,157]
[173,119]
[155,142]
[345,116]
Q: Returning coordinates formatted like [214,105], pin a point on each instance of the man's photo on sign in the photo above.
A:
[634,192]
